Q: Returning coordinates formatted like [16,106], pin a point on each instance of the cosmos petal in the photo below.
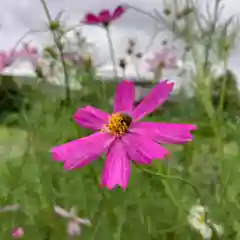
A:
[118,12]
[81,152]
[154,99]
[104,16]
[168,133]
[91,118]
[124,97]
[91,18]
[143,150]
[117,167]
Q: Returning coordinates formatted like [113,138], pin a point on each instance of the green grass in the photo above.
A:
[151,208]
[12,142]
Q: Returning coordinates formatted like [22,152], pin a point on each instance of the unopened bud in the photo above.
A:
[129,51]
[139,55]
[87,63]
[54,25]
[186,11]
[39,72]
[227,46]
[187,48]
[164,42]
[51,52]
[179,16]
[122,63]
[131,43]
[167,11]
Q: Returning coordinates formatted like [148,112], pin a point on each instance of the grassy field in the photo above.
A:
[158,199]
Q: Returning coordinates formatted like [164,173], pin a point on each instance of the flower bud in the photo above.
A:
[54,25]
[122,63]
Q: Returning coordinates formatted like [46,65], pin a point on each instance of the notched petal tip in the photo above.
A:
[158,95]
[193,127]
[56,156]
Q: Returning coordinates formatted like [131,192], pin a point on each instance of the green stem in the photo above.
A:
[111,51]
[223,89]
[60,49]
[104,196]
[173,178]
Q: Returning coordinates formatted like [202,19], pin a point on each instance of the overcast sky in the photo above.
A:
[17,17]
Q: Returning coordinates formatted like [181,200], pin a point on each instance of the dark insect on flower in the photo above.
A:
[126,119]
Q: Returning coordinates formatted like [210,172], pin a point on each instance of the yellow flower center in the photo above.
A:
[118,124]
[202,219]
[162,65]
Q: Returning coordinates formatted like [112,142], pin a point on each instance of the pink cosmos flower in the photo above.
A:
[3,61]
[27,53]
[122,136]
[164,59]
[17,233]
[104,17]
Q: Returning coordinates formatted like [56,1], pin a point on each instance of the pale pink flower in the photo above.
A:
[27,53]
[164,59]
[5,61]
[17,233]
[73,227]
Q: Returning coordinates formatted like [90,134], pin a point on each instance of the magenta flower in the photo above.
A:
[121,136]
[104,17]
[164,59]
[17,233]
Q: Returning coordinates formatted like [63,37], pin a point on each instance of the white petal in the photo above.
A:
[206,232]
[62,212]
[218,228]
[83,221]
[197,211]
[73,228]
[72,212]
[10,208]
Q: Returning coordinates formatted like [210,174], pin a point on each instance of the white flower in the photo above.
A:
[73,227]
[197,219]
[54,74]
[10,208]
